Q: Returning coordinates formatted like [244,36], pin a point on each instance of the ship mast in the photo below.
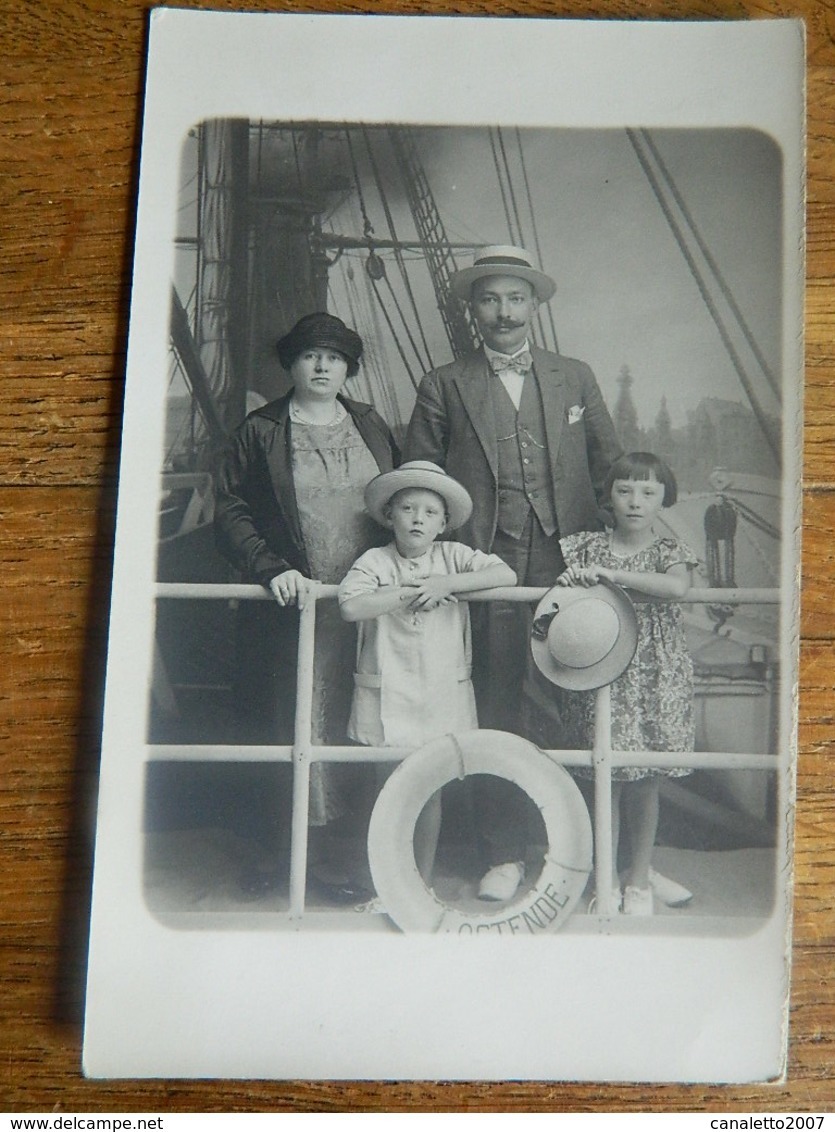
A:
[434,242]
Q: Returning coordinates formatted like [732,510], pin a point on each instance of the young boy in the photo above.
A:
[414,654]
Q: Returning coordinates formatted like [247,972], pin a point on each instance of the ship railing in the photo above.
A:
[303,752]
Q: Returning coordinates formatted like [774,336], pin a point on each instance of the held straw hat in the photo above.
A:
[503,259]
[423,474]
[584,637]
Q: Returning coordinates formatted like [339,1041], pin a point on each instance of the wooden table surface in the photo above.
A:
[70,106]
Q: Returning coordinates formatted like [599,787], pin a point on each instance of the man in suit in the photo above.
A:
[527,432]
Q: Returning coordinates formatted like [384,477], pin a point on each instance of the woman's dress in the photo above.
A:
[652,702]
[331,468]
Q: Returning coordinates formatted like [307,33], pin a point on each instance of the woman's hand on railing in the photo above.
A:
[290,588]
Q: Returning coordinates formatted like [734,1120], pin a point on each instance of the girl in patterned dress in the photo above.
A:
[652,702]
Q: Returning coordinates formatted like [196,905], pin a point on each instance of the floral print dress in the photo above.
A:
[652,702]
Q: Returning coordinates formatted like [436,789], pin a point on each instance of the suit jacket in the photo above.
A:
[453,425]
[257,525]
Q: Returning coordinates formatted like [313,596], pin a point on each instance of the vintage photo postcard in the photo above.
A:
[450,710]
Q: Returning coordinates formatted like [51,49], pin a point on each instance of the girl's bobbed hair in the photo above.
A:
[643,466]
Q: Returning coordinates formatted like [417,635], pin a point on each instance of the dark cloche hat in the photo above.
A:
[321,330]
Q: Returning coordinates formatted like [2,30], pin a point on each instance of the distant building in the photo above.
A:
[727,434]
[718,433]
[625,416]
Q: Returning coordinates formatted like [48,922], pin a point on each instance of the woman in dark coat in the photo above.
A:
[290,508]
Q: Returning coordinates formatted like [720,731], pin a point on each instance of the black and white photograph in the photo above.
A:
[455,579]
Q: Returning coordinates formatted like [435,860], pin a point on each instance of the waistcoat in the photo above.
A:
[524,465]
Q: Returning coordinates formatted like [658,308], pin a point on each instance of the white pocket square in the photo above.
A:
[575,413]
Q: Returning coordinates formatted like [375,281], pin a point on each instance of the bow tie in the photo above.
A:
[521,363]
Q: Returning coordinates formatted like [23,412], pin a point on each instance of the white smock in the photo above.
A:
[413,673]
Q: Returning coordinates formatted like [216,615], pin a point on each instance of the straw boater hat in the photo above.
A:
[583,637]
[423,474]
[503,259]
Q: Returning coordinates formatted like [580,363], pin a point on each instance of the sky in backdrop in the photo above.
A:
[626,295]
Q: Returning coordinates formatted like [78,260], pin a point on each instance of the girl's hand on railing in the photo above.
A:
[584,576]
[290,588]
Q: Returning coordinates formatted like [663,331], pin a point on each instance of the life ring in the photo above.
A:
[568,859]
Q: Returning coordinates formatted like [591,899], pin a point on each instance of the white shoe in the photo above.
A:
[500,882]
[617,900]
[637,901]
[371,907]
[669,892]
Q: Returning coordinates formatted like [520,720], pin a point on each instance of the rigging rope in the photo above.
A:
[387,316]
[708,301]
[398,255]
[518,238]
[389,392]
[767,566]
[367,226]
[756,520]
[513,239]
[511,193]
[297,161]
[720,528]
[521,241]
[363,315]
[368,230]
[360,384]
[188,422]
[723,286]
[535,232]
[397,307]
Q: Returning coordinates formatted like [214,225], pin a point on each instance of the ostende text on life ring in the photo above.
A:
[568,857]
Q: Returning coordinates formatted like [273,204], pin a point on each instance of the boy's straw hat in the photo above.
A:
[584,637]
[423,474]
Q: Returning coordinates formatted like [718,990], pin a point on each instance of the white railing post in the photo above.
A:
[602,762]
[302,744]
[602,756]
